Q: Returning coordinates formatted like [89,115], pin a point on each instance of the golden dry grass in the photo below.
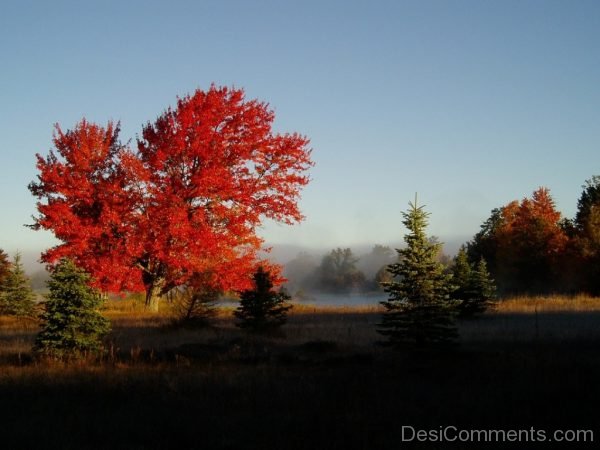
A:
[320,384]
[550,303]
[135,330]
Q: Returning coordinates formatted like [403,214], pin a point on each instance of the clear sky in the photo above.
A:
[469,103]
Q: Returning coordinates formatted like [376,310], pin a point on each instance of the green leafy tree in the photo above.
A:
[419,310]
[262,309]
[16,296]
[338,272]
[72,324]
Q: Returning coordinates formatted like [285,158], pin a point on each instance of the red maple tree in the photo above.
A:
[187,202]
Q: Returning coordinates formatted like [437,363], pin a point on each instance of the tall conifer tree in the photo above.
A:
[419,311]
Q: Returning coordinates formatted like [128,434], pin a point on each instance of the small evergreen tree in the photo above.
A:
[419,310]
[261,308]
[483,287]
[16,296]
[475,289]
[461,275]
[72,324]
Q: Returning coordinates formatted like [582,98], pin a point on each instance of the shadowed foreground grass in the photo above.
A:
[324,384]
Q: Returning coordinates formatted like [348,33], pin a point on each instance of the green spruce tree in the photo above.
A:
[461,275]
[483,289]
[72,324]
[475,289]
[16,296]
[419,311]
[261,308]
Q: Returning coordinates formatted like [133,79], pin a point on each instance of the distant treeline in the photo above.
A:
[341,272]
[531,248]
[528,246]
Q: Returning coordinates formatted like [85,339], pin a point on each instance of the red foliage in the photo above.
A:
[530,243]
[188,201]
[534,223]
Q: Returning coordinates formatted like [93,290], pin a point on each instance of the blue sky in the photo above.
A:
[469,103]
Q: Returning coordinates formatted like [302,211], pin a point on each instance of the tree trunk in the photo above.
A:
[153,294]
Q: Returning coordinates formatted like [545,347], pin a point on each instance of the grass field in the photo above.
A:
[324,383]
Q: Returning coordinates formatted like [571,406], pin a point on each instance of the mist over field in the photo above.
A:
[298,261]
[283,253]
[280,253]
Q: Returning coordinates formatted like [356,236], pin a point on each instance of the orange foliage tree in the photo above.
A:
[187,202]
[4,266]
[523,242]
